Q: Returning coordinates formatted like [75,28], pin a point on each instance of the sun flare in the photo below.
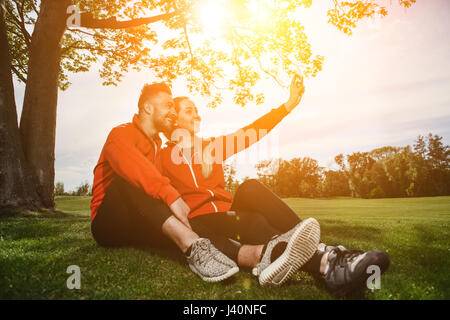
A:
[212,16]
[259,10]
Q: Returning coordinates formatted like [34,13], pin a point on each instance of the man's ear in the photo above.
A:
[148,108]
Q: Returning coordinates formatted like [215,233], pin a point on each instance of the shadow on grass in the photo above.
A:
[431,253]
[38,251]
[428,234]
[12,213]
[40,227]
[67,240]
[36,228]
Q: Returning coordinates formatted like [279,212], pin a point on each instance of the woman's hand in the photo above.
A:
[297,90]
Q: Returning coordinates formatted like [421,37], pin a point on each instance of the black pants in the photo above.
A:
[259,215]
[129,217]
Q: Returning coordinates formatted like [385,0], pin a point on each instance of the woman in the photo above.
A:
[256,216]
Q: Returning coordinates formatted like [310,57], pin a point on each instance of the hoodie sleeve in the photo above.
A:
[250,134]
[129,163]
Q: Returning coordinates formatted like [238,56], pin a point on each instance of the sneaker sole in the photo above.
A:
[300,249]
[227,275]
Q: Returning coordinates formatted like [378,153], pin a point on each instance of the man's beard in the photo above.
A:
[164,125]
[168,132]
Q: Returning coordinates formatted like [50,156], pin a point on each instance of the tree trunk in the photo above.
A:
[16,187]
[38,121]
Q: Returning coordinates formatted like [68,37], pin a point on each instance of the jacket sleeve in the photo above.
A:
[245,137]
[129,163]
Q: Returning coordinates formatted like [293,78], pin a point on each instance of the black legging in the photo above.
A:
[259,215]
[128,217]
[253,196]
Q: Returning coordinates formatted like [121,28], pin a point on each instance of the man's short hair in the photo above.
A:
[150,90]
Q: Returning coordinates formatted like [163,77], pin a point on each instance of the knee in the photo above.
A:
[249,184]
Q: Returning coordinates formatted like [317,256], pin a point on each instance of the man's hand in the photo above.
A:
[297,90]
[181,210]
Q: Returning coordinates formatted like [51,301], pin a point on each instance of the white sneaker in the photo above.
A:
[302,241]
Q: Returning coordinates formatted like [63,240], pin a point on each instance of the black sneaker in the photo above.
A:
[331,248]
[347,269]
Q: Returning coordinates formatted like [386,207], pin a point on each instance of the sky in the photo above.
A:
[386,84]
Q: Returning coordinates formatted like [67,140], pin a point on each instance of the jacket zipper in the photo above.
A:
[195,180]
[190,168]
[156,150]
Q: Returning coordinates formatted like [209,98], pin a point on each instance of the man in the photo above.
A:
[134,205]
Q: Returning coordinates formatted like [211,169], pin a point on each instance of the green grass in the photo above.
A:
[37,248]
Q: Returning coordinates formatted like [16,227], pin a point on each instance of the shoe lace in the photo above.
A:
[202,252]
[343,257]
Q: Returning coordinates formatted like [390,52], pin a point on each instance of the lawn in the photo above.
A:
[37,248]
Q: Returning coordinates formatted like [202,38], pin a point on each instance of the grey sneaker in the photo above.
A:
[209,263]
[301,243]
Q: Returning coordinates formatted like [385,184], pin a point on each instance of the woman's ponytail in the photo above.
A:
[207,161]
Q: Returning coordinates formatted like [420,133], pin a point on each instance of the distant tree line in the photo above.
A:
[84,189]
[386,172]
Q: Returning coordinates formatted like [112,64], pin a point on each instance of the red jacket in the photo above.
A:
[129,153]
[202,195]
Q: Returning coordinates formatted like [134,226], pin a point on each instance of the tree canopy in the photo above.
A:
[212,46]
[248,40]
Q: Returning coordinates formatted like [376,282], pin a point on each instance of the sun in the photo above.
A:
[259,10]
[212,16]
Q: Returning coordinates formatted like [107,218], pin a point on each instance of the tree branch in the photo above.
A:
[34,8]
[187,40]
[21,27]
[72,46]
[274,77]
[87,21]
[91,34]
[93,49]
[18,74]
[21,22]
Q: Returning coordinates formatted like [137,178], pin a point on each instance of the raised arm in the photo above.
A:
[245,137]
